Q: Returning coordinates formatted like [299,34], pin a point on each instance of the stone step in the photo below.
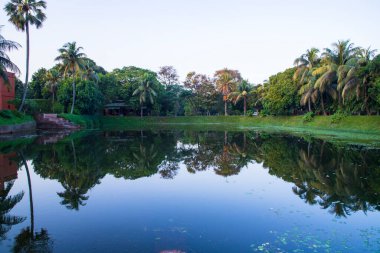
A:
[52,121]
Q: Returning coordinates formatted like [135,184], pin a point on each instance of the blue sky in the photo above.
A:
[259,38]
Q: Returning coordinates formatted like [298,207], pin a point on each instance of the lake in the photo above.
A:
[188,191]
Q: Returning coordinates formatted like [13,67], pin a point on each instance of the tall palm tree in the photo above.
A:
[5,62]
[53,77]
[225,84]
[145,90]
[356,82]
[336,64]
[73,61]
[23,14]
[305,64]
[243,90]
[89,71]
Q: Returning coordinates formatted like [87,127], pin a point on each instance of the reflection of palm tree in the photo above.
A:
[7,203]
[145,157]
[30,191]
[73,196]
[28,240]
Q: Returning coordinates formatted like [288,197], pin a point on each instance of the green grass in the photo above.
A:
[353,129]
[13,118]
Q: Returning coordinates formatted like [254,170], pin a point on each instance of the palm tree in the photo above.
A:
[23,13]
[356,82]
[305,64]
[5,62]
[89,71]
[225,84]
[145,90]
[53,77]
[243,90]
[72,62]
[336,64]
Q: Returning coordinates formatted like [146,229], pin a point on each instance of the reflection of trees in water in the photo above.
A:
[340,179]
[7,203]
[28,240]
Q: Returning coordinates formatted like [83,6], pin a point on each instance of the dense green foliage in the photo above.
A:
[343,79]
[12,117]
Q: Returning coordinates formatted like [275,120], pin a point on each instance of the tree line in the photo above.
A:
[340,79]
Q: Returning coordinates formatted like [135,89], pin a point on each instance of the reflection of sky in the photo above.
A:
[199,212]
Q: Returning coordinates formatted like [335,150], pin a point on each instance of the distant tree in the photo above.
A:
[203,96]
[226,82]
[304,77]
[53,77]
[5,62]
[72,60]
[145,91]
[37,84]
[281,93]
[24,13]
[167,75]
[243,90]
[331,75]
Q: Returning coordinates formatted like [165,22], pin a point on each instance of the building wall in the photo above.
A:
[7,92]
[8,168]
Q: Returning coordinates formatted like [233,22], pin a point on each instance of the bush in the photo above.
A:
[338,116]
[250,113]
[6,114]
[308,117]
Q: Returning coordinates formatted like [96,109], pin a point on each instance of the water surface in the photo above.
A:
[188,191]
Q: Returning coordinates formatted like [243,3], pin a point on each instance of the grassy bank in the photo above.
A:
[13,118]
[350,126]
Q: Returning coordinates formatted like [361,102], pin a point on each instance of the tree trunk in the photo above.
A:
[30,195]
[141,111]
[74,94]
[27,68]
[309,104]
[53,102]
[245,106]
[340,100]
[366,100]
[323,105]
[225,108]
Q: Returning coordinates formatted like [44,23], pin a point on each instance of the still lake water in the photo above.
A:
[187,191]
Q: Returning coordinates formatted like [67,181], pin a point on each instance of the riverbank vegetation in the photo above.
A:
[343,80]
[8,117]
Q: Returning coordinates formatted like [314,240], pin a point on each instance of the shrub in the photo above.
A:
[337,117]
[308,117]
[250,113]
[6,114]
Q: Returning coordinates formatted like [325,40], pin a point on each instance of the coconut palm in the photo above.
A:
[336,64]
[356,82]
[89,71]
[243,90]
[305,64]
[53,77]
[5,62]
[145,91]
[23,14]
[225,84]
[73,61]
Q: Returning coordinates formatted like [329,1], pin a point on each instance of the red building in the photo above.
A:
[7,92]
